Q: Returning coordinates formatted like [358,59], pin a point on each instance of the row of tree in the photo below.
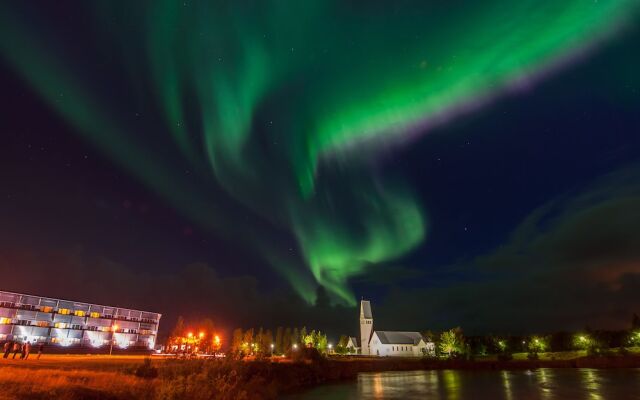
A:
[453,343]
[202,334]
[263,342]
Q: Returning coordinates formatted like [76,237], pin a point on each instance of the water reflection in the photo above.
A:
[551,384]
[452,384]
[591,383]
[506,384]
[545,379]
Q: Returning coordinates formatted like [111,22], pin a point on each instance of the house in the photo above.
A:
[401,344]
[390,343]
[352,345]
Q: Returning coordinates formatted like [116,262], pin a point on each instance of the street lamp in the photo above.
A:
[114,328]
[271,349]
[295,346]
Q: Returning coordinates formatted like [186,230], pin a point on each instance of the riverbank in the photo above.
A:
[99,377]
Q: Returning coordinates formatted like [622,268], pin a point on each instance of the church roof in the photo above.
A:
[391,337]
[354,340]
[366,309]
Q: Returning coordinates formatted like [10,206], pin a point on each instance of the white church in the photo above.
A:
[387,343]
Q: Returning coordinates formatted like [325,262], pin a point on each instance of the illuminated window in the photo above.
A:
[61,325]
[5,321]
[79,313]
[64,311]
[46,309]
[95,315]
[42,323]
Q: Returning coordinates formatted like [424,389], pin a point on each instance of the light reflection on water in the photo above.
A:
[539,384]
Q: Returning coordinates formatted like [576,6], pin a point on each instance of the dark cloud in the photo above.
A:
[572,262]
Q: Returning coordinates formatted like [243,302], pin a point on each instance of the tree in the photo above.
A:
[321,342]
[237,340]
[259,341]
[500,344]
[178,329]
[295,337]
[247,339]
[582,341]
[286,340]
[176,333]
[267,342]
[302,336]
[429,336]
[310,339]
[341,346]
[207,328]
[279,340]
[538,344]
[452,342]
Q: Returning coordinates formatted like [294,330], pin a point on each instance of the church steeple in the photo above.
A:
[366,326]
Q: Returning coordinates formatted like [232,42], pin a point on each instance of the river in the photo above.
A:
[543,384]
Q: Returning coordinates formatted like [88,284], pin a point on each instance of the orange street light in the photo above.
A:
[201,334]
[190,334]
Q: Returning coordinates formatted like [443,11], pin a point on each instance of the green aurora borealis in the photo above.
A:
[281,107]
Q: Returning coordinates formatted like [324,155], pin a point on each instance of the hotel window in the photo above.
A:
[64,311]
[5,321]
[79,313]
[60,325]
[46,309]
[95,315]
[43,324]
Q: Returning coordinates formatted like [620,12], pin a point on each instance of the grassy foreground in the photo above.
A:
[133,377]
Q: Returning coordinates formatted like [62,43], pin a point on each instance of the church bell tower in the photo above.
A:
[366,326]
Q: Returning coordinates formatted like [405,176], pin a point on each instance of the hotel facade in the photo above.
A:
[37,319]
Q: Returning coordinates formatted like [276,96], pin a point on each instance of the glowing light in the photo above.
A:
[201,335]
[190,335]
[122,343]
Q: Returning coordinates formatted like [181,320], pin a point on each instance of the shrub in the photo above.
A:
[305,354]
[146,370]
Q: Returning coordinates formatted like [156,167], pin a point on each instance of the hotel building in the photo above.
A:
[38,319]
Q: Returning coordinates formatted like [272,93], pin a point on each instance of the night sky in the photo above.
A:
[457,163]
